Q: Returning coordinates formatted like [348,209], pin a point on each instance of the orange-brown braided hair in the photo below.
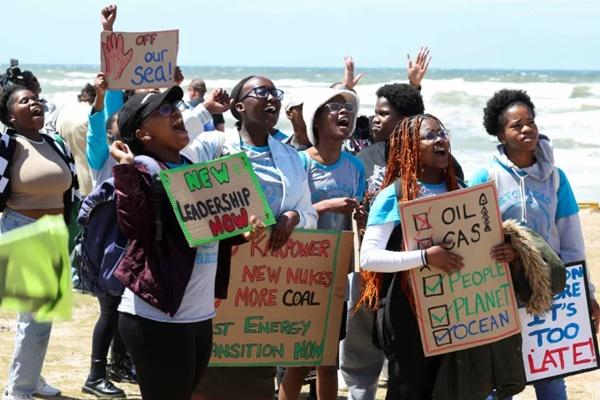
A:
[404,163]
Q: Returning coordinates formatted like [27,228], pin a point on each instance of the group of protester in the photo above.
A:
[320,176]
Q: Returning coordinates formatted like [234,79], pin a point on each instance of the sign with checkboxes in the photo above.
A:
[472,306]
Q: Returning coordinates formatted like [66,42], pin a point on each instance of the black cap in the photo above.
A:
[140,106]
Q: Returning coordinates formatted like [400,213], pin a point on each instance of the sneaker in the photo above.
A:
[122,371]
[46,390]
[103,388]
[16,396]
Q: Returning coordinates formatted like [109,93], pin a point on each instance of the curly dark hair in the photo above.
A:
[493,113]
[405,99]
[7,100]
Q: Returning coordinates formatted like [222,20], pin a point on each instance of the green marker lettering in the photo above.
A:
[222,176]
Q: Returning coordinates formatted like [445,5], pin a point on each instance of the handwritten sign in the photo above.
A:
[136,60]
[214,200]
[561,342]
[284,307]
[476,305]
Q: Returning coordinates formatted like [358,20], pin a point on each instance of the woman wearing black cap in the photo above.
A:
[168,304]
[255,103]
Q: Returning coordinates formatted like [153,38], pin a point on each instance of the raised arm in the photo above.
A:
[416,70]
[134,192]
[108,15]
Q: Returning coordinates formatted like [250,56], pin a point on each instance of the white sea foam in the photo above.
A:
[568,107]
[86,75]
[64,82]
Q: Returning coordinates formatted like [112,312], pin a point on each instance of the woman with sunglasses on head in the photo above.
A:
[167,308]
[420,166]
[532,190]
[255,103]
[337,183]
[38,179]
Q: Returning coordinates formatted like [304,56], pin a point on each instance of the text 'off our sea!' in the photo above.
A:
[137,60]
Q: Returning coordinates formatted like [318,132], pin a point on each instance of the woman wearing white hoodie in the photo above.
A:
[532,190]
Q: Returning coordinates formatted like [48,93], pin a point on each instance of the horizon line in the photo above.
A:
[3,66]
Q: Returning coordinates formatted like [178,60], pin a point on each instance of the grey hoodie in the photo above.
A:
[539,197]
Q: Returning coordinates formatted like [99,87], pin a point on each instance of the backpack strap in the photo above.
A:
[71,197]
[101,194]
[154,169]
[556,178]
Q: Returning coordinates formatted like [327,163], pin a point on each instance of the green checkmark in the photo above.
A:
[439,315]
[434,288]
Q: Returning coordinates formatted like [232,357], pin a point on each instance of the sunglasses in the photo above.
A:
[336,107]
[264,92]
[167,109]
[431,135]
[164,110]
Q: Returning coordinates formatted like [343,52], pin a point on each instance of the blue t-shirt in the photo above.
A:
[279,135]
[268,175]
[344,178]
[385,206]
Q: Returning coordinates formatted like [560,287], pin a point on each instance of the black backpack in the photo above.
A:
[100,246]
[383,329]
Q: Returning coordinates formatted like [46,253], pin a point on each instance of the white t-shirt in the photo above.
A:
[198,302]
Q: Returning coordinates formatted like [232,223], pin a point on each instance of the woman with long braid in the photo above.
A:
[419,166]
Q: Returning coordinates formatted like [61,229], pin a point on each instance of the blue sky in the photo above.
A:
[506,34]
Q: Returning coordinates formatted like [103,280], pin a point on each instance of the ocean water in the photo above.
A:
[567,105]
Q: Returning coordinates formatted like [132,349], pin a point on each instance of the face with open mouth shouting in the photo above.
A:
[435,145]
[260,103]
[520,133]
[165,128]
[26,111]
[334,119]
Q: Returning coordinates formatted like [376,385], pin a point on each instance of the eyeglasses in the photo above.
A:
[264,92]
[431,135]
[167,109]
[336,107]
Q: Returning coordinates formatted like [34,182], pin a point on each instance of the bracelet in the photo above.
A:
[424,257]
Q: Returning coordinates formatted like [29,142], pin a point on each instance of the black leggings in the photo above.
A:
[107,329]
[169,358]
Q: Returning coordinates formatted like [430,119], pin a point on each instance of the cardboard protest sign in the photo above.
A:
[136,60]
[214,200]
[35,272]
[561,342]
[476,305]
[284,307]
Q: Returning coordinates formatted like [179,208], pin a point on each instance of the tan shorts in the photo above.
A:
[238,383]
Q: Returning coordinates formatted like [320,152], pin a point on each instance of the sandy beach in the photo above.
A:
[67,361]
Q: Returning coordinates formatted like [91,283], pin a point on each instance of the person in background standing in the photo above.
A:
[196,94]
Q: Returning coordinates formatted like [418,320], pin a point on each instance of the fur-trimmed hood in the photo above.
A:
[537,272]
